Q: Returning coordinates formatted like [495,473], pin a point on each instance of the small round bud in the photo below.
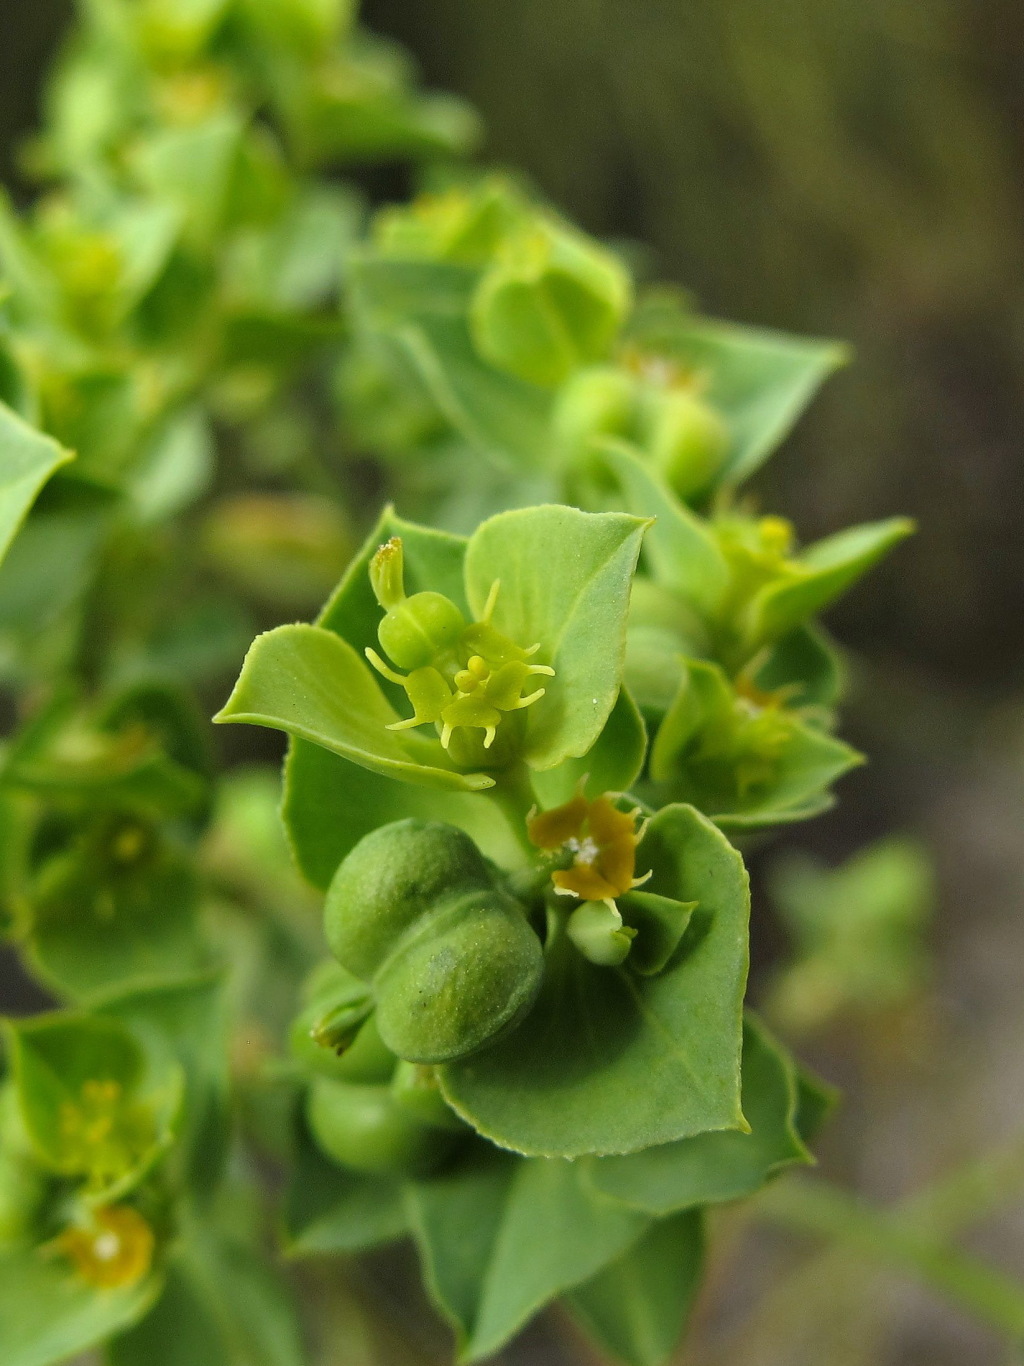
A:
[416,631]
[596,402]
[415,1088]
[688,441]
[598,932]
[364,1127]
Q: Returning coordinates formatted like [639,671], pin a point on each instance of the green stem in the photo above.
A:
[513,793]
[818,1208]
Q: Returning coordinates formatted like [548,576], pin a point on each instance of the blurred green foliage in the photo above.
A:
[852,171]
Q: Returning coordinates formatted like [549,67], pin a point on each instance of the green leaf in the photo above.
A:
[825,570]
[48,1313]
[223,1307]
[634,1061]
[96,925]
[743,768]
[423,305]
[859,931]
[179,1330]
[636,1308]
[565,580]
[500,1237]
[387,292]
[500,415]
[142,752]
[330,804]
[311,683]
[186,1022]
[760,381]
[93,1102]
[806,663]
[175,469]
[613,764]
[680,547]
[48,565]
[329,1209]
[27,460]
[815,1101]
[660,922]
[710,1168]
[191,168]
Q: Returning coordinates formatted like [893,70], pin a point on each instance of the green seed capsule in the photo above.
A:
[415,1088]
[363,1127]
[390,879]
[688,441]
[451,958]
[416,630]
[419,629]
[465,973]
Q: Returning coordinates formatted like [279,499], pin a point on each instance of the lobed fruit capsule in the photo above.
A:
[452,961]
[364,1127]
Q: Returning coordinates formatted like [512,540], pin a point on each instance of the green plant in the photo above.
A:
[519,728]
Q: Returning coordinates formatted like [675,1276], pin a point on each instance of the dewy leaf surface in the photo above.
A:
[611,1062]
[565,581]
[710,1168]
[27,459]
[500,1237]
[637,1307]
[311,683]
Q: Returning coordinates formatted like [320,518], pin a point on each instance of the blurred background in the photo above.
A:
[849,171]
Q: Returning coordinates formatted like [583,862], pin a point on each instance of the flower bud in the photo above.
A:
[599,401]
[362,1059]
[365,1128]
[414,630]
[687,440]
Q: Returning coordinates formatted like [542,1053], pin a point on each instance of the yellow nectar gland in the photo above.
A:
[471,685]
[115,1249]
[602,840]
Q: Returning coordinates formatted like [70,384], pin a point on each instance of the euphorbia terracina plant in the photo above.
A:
[532,713]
